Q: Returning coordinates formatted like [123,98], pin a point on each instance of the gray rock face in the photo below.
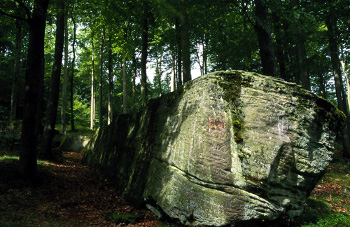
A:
[231,147]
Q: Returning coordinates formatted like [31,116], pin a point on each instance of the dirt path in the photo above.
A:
[75,195]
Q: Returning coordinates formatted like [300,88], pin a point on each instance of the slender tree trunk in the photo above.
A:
[205,53]
[339,88]
[322,83]
[304,75]
[65,74]
[179,53]
[125,97]
[301,54]
[159,73]
[279,51]
[144,54]
[51,109]
[265,41]
[33,97]
[100,121]
[186,47]
[347,83]
[110,80]
[16,71]
[173,82]
[92,114]
[134,79]
[72,77]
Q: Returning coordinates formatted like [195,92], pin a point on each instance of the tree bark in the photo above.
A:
[301,53]
[322,83]
[51,109]
[205,53]
[72,77]
[16,70]
[347,84]
[186,54]
[159,73]
[302,60]
[179,52]
[33,97]
[265,41]
[100,121]
[65,74]
[279,44]
[125,96]
[144,54]
[339,88]
[110,81]
[173,82]
[134,79]
[92,101]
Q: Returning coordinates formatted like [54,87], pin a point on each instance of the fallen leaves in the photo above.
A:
[73,195]
[334,188]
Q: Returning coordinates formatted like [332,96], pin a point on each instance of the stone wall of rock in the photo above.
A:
[230,147]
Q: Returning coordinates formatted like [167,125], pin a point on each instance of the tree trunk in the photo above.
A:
[302,60]
[33,97]
[92,112]
[65,74]
[72,77]
[265,41]
[301,53]
[52,103]
[339,88]
[144,54]
[172,83]
[125,97]
[134,79]
[186,54]
[279,45]
[322,83]
[100,121]
[179,53]
[159,73]
[205,53]
[16,70]
[110,80]
[347,84]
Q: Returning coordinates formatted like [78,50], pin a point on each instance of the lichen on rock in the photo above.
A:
[230,147]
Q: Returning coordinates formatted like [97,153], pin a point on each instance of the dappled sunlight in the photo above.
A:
[71,194]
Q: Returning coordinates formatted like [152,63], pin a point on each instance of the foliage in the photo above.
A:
[222,37]
[329,203]
[127,218]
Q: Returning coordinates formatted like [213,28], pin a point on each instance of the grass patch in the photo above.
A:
[127,218]
[329,203]
[330,220]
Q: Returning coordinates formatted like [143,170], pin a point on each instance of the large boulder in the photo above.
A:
[230,147]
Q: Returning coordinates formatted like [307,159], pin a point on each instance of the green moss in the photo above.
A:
[232,83]
[127,218]
[335,117]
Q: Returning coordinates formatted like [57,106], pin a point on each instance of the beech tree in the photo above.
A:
[33,97]
[331,22]
[65,72]
[51,110]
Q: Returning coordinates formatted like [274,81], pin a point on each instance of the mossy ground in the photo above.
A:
[329,202]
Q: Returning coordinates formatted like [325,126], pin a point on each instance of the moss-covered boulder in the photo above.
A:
[230,147]
[73,142]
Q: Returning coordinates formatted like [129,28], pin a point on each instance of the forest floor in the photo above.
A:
[71,195]
[75,195]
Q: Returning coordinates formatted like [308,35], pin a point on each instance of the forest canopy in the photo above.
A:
[116,55]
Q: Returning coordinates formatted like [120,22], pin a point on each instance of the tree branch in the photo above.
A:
[21,4]
[13,16]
